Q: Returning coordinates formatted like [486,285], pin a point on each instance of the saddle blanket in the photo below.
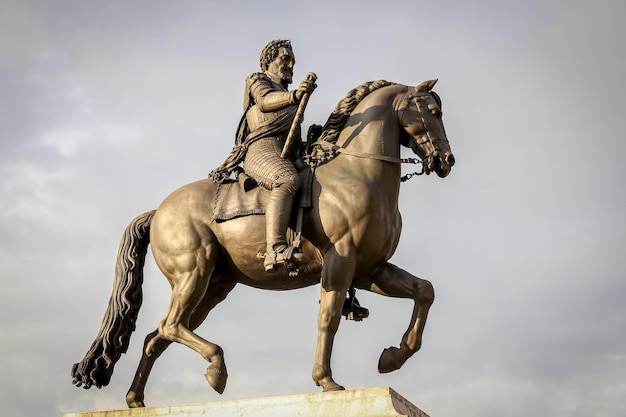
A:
[231,201]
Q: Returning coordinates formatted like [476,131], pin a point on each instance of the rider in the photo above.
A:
[269,111]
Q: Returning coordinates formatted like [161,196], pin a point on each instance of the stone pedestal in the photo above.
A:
[370,402]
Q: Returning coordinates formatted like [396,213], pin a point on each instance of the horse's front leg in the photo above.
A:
[395,282]
[337,274]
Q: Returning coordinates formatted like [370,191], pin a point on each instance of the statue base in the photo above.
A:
[369,402]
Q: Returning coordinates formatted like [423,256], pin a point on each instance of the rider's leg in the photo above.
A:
[277,215]
[264,163]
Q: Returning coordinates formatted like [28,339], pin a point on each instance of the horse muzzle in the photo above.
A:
[439,163]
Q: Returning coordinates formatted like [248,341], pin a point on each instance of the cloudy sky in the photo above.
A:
[107,107]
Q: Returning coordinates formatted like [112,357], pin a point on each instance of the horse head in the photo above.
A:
[421,119]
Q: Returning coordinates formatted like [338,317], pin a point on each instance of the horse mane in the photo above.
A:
[338,118]
[322,151]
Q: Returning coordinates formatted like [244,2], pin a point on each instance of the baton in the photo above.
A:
[297,120]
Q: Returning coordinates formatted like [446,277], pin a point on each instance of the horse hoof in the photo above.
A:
[387,361]
[133,401]
[329,385]
[216,378]
[333,386]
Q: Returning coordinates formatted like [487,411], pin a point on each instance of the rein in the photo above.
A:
[386,158]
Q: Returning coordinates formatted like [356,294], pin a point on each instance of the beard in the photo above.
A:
[286,75]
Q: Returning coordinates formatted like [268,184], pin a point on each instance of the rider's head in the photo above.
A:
[278,60]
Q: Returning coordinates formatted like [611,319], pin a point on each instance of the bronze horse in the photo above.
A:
[349,233]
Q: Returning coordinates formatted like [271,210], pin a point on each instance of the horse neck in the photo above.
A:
[373,126]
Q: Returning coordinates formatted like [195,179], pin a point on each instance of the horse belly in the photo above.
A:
[244,239]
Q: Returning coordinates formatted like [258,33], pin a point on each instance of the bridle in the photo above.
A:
[426,161]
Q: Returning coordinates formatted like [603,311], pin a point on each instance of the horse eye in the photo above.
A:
[436,112]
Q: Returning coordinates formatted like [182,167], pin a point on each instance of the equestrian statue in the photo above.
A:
[295,215]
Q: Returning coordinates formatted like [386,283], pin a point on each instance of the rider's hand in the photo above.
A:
[306,86]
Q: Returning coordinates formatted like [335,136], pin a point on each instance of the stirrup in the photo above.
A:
[289,256]
[353,311]
[352,308]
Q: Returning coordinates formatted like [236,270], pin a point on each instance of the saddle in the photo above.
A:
[243,197]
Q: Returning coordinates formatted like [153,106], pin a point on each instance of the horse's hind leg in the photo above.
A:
[135,394]
[188,267]
[395,282]
[217,292]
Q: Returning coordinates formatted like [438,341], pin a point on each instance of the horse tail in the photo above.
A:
[119,319]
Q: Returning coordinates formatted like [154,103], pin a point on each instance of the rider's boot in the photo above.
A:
[277,215]
[352,308]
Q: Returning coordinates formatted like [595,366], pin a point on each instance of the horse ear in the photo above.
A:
[426,86]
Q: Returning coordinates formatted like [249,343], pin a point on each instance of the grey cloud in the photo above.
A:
[108,107]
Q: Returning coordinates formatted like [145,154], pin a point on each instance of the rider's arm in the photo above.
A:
[268,98]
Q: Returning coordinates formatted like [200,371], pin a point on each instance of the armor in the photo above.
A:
[269,108]
[269,116]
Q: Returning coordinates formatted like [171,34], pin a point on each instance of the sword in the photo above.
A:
[297,120]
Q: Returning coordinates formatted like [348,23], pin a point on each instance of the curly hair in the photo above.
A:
[270,52]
